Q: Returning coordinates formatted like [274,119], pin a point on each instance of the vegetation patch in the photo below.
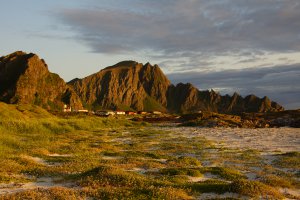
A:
[254,189]
[116,158]
[210,186]
[288,160]
[184,161]
[276,181]
[223,172]
[58,193]
[181,171]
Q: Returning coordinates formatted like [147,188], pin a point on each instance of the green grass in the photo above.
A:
[57,193]
[152,105]
[289,160]
[210,186]
[277,181]
[254,189]
[224,173]
[115,158]
[181,171]
[185,161]
[108,176]
[30,130]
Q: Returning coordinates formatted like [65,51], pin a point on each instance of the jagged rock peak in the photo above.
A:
[132,85]
[123,64]
[130,64]
[25,78]
[16,53]
[125,85]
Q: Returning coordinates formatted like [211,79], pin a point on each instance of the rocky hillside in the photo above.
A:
[126,85]
[185,98]
[25,79]
[289,118]
[131,85]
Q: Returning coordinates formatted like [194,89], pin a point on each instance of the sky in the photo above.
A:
[247,46]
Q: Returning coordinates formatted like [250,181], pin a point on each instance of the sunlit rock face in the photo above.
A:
[25,78]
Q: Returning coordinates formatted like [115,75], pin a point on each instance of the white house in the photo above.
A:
[104,113]
[118,112]
[67,108]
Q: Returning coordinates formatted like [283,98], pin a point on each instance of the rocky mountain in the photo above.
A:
[127,85]
[189,99]
[131,85]
[25,79]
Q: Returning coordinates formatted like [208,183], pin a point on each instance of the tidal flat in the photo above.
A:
[86,157]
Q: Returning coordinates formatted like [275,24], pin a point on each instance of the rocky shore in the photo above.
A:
[289,118]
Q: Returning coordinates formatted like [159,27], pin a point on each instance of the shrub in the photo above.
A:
[253,189]
[226,173]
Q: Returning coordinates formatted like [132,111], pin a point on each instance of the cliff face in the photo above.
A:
[126,85]
[185,98]
[25,78]
[132,85]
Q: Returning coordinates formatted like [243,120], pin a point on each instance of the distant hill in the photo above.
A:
[132,85]
[128,85]
[25,79]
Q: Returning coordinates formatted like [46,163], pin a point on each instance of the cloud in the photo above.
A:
[172,26]
[203,39]
[280,83]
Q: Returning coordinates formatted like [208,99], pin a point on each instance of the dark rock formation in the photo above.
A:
[185,98]
[132,85]
[126,85]
[25,78]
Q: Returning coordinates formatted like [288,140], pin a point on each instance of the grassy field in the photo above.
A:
[43,156]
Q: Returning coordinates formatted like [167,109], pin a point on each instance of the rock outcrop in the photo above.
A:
[126,85]
[185,98]
[131,85]
[25,79]
[288,118]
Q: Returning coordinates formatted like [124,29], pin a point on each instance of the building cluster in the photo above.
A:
[67,108]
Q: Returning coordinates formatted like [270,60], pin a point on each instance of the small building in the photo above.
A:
[130,113]
[83,111]
[142,112]
[67,108]
[104,113]
[119,112]
[156,112]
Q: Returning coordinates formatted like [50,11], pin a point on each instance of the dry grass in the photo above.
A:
[107,158]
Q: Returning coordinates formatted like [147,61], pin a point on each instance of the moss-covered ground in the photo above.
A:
[88,157]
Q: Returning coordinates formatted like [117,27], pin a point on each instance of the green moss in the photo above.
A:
[276,181]
[254,189]
[185,161]
[141,154]
[151,105]
[52,79]
[31,132]
[108,176]
[58,193]
[181,171]
[167,193]
[225,173]
[288,160]
[214,186]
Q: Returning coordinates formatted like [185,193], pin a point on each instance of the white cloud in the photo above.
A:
[280,83]
[197,36]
